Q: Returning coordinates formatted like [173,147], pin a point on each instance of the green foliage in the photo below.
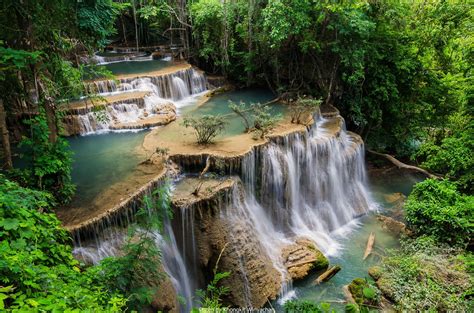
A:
[37,270]
[424,276]
[211,298]
[256,117]
[303,108]
[96,20]
[49,163]
[365,296]
[437,209]
[264,120]
[138,272]
[299,306]
[451,154]
[206,127]
[244,111]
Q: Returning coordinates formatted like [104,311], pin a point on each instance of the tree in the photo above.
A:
[243,111]
[436,208]
[264,121]
[206,127]
[303,108]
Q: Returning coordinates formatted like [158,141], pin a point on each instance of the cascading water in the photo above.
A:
[310,184]
[305,185]
[176,88]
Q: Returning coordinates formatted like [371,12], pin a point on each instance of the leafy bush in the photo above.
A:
[138,272]
[425,277]
[303,108]
[298,306]
[264,121]
[37,268]
[207,127]
[437,209]
[452,155]
[49,164]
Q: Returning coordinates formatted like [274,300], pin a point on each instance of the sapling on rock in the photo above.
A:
[206,127]
[303,108]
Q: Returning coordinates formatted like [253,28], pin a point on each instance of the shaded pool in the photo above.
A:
[137,67]
[102,160]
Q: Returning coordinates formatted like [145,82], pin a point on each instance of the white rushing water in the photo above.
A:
[179,89]
[311,184]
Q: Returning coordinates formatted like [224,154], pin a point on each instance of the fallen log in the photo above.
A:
[399,164]
[370,245]
[327,275]
[302,263]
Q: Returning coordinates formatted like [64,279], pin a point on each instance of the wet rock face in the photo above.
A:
[253,280]
[165,299]
[303,258]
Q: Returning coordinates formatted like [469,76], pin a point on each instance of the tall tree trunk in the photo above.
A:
[136,24]
[50,110]
[7,155]
[124,31]
[250,41]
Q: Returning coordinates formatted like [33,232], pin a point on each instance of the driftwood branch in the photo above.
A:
[302,263]
[201,176]
[399,164]
[327,275]
[370,245]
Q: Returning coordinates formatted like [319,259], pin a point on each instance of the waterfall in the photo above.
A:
[177,88]
[309,184]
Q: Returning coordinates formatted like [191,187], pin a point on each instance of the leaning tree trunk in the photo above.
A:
[50,110]
[7,155]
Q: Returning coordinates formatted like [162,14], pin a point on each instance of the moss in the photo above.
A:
[356,288]
[321,262]
[375,272]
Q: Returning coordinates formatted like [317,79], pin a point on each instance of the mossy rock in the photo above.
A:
[375,272]
[303,258]
[362,292]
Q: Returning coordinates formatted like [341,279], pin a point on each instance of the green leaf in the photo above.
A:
[369,293]
[10,223]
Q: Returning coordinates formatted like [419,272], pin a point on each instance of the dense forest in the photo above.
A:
[399,72]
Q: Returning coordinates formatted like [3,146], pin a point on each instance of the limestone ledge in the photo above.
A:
[122,198]
[228,151]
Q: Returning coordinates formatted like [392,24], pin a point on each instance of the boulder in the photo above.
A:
[393,226]
[165,298]
[302,258]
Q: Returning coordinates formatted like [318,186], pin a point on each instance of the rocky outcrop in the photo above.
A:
[218,232]
[393,226]
[165,298]
[302,258]
[383,282]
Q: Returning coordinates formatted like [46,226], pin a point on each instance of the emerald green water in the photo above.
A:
[136,67]
[353,244]
[114,54]
[102,160]
[219,105]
